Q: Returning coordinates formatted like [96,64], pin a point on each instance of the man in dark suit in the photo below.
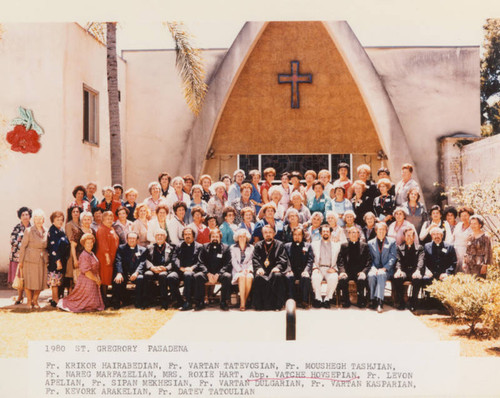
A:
[409,267]
[129,266]
[354,264]
[185,265]
[301,258]
[440,258]
[158,266]
[383,253]
[269,263]
[216,258]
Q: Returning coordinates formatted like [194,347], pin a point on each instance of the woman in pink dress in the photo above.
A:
[86,295]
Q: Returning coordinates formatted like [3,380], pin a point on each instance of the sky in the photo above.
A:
[215,23]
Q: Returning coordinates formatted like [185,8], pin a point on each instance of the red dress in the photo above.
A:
[86,295]
[107,242]
[112,207]
[203,235]
[265,187]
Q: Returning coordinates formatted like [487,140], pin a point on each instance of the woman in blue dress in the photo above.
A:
[319,202]
[255,196]
[340,203]
[228,227]
[267,216]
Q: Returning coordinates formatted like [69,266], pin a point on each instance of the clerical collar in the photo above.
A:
[297,243]
[268,243]
[353,243]
[409,246]
[188,244]
[215,246]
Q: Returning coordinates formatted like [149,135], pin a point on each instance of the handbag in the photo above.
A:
[18,281]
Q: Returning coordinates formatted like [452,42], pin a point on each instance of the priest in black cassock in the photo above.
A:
[409,267]
[354,263]
[215,256]
[159,267]
[270,261]
[129,266]
[301,259]
[187,267]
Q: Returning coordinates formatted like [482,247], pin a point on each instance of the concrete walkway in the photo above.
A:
[8,298]
[351,324]
[213,324]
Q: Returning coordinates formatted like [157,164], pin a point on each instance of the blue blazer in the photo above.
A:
[385,259]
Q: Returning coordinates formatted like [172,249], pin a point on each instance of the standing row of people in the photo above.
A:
[227,207]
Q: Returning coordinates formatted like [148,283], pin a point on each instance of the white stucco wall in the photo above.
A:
[158,118]
[43,68]
[435,92]
[481,160]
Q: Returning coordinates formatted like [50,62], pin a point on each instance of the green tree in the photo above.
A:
[490,74]
[190,66]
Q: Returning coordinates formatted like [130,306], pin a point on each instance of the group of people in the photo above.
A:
[272,242]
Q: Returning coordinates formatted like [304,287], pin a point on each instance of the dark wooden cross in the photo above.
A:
[294,79]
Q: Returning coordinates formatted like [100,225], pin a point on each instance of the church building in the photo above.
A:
[291,95]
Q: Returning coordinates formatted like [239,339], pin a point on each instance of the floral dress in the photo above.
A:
[58,247]
[215,208]
[16,238]
[477,254]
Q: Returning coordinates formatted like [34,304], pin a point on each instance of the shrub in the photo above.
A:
[494,269]
[491,315]
[465,296]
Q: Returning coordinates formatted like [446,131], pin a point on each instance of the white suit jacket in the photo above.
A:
[316,247]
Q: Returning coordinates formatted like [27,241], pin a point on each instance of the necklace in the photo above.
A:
[268,252]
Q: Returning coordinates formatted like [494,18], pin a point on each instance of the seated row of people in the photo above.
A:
[271,269]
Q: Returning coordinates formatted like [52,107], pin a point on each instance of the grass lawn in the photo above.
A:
[448,329]
[19,325]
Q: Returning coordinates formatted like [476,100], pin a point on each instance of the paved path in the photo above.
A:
[8,296]
[348,324]
[215,325]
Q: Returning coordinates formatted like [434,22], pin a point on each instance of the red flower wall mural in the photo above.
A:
[26,134]
[22,140]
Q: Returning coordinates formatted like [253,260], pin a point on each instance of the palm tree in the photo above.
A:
[105,33]
[190,65]
[188,62]
[114,106]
